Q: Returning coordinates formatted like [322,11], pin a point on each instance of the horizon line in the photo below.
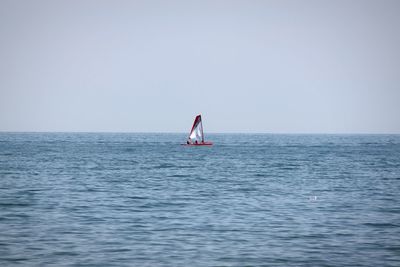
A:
[173,132]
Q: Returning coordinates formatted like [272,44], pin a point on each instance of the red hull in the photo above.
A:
[199,144]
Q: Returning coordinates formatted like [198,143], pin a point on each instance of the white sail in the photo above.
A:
[197,131]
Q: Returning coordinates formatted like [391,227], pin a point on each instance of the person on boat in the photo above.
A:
[196,142]
[187,142]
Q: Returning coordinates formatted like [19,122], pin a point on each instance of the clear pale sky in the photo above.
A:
[247,66]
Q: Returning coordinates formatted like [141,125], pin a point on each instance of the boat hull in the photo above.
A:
[199,144]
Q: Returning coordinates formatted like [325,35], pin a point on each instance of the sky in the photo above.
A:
[246,66]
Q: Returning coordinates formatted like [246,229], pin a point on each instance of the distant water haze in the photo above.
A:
[246,66]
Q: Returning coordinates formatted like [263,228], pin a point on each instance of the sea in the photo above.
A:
[143,199]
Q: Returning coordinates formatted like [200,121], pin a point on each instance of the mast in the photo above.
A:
[202,133]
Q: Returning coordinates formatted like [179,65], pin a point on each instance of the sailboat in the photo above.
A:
[196,135]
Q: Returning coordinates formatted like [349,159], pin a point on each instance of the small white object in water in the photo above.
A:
[313,198]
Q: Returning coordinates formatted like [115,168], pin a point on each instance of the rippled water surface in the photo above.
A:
[250,200]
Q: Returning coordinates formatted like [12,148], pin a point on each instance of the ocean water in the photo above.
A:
[102,199]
